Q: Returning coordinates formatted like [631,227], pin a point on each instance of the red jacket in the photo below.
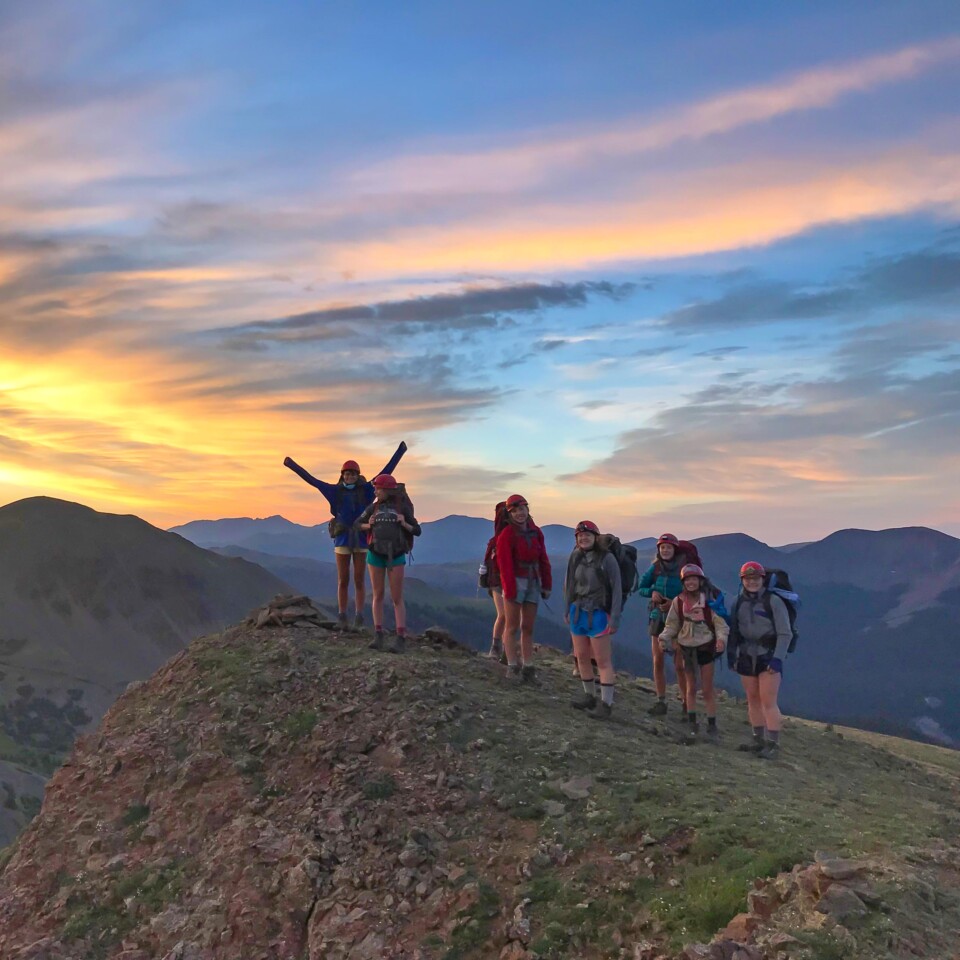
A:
[522,553]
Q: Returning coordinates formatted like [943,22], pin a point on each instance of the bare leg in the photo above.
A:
[603,654]
[768,684]
[659,671]
[343,581]
[501,622]
[709,692]
[689,702]
[751,687]
[512,612]
[582,651]
[359,583]
[377,578]
[396,594]
[528,616]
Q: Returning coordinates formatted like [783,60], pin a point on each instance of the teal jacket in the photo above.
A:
[663,578]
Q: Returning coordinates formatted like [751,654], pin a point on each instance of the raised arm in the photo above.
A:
[394,460]
[327,489]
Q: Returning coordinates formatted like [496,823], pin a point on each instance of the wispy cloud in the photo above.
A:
[525,164]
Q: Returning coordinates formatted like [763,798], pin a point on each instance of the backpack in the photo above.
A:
[778,582]
[687,548]
[626,556]
[391,539]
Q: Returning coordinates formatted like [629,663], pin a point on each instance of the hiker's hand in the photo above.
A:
[721,645]
[406,526]
[657,598]
[287,461]
[611,630]
[776,666]
[545,594]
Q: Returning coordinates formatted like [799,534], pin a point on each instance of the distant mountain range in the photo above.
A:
[880,624]
[89,602]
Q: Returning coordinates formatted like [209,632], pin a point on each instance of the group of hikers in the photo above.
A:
[373,527]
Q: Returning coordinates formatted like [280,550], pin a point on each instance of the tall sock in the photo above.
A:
[773,736]
[692,716]
[758,733]
[588,687]
[606,693]
[597,687]
[711,721]
[401,631]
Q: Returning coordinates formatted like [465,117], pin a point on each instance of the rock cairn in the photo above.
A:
[289,610]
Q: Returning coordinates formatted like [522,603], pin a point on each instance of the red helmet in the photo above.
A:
[385,482]
[515,500]
[691,570]
[587,526]
[752,569]
[350,465]
[668,538]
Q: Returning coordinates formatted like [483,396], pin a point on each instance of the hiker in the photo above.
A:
[661,583]
[490,580]
[760,635]
[592,605]
[391,526]
[526,578]
[347,498]
[700,637]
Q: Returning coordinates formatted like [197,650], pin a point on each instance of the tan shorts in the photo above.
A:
[346,551]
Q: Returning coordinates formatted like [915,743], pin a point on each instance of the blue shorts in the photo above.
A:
[587,624]
[379,560]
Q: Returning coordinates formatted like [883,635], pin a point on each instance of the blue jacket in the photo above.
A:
[664,578]
[347,505]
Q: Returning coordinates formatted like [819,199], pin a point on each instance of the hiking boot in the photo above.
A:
[601,711]
[528,674]
[690,738]
[502,659]
[770,751]
[398,645]
[752,746]
[712,735]
[586,701]
[684,715]
[342,620]
[377,641]
[496,650]
[358,622]
[659,709]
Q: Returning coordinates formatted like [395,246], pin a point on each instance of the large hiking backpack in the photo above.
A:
[626,556]
[388,537]
[778,582]
[689,551]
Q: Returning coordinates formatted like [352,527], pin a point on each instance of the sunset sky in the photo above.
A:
[688,266]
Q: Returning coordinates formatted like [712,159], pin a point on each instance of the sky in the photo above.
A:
[690,267]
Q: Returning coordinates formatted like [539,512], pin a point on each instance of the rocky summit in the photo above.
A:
[284,793]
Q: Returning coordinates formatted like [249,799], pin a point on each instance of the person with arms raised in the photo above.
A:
[526,578]
[348,498]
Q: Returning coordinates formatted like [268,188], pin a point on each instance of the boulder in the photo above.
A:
[841,903]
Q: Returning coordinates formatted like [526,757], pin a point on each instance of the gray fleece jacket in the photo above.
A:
[757,635]
[593,583]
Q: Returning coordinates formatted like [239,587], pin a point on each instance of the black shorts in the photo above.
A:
[704,654]
[747,666]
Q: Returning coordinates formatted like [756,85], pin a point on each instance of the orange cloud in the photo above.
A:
[680,216]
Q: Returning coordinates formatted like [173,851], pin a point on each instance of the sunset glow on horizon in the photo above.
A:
[693,270]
